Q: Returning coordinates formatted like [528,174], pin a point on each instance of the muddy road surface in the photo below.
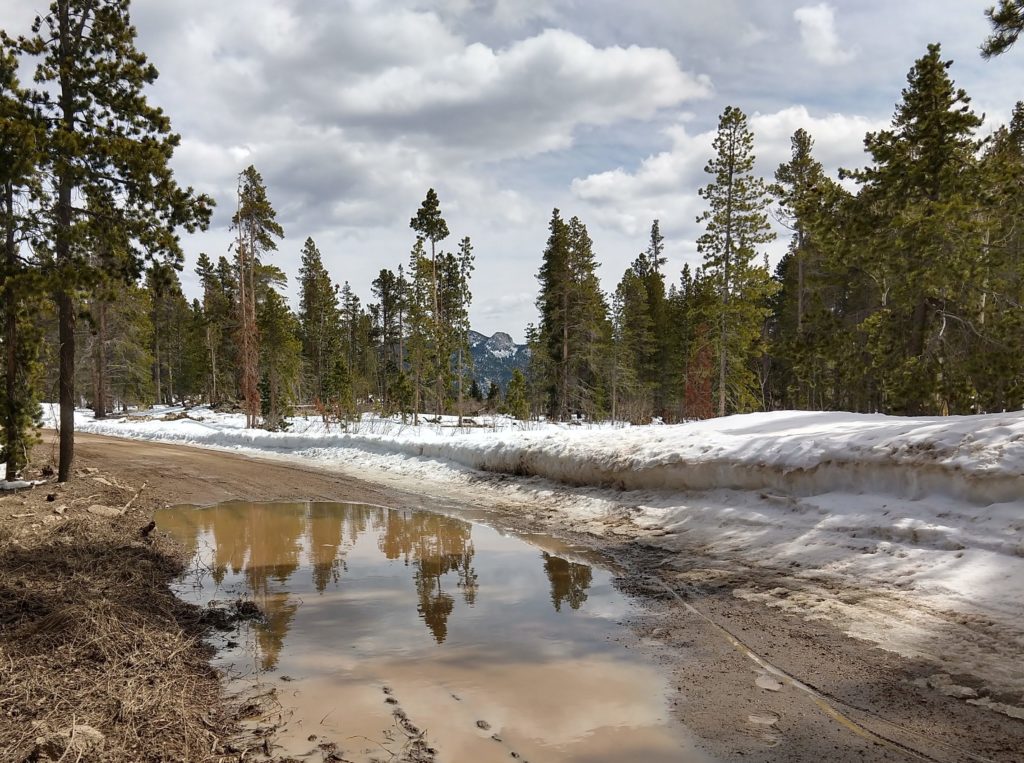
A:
[745,681]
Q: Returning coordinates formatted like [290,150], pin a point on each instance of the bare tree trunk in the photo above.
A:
[247,311]
[156,367]
[100,361]
[563,413]
[62,255]
[723,359]
[461,374]
[213,367]
[10,423]
[416,400]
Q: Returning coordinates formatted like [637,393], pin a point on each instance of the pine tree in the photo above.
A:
[257,228]
[431,226]
[124,340]
[455,301]
[516,401]
[171,319]
[574,327]
[635,345]
[641,332]
[388,290]
[736,224]
[216,329]
[493,396]
[20,286]
[101,136]
[993,361]
[281,351]
[802,191]
[318,317]
[421,330]
[1007,20]
[921,186]
[339,399]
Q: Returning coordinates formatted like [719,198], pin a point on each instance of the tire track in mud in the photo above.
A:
[825,703]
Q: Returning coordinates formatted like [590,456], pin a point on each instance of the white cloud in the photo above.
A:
[664,185]
[818,34]
[521,100]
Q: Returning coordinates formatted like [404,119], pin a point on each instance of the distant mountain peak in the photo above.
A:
[495,357]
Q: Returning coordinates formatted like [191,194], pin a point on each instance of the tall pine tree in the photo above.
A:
[736,223]
[256,226]
[102,138]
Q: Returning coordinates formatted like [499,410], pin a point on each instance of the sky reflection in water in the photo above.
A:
[459,621]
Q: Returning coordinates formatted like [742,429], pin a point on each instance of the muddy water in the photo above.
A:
[381,624]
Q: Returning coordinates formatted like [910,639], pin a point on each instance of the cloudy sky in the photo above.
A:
[351,109]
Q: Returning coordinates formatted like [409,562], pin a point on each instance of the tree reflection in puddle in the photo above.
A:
[460,623]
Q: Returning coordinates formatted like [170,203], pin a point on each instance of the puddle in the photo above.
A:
[381,624]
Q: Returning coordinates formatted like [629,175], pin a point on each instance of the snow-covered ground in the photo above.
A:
[928,512]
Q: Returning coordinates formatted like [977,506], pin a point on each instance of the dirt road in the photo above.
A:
[752,682]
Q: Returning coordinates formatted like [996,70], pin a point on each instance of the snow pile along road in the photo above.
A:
[978,458]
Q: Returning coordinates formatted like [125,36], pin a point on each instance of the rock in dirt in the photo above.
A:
[79,740]
[104,511]
[766,682]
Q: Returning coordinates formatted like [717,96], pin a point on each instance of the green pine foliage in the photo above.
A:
[1007,20]
[571,342]
[281,356]
[319,319]
[21,283]
[517,404]
[736,224]
[922,182]
[387,316]
[639,362]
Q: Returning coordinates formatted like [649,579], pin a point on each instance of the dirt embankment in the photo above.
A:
[98,659]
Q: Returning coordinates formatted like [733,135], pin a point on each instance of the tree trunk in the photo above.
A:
[563,413]
[10,418]
[62,255]
[460,386]
[156,366]
[213,366]
[100,361]
[416,400]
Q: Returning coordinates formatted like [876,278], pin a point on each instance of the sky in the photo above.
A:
[352,109]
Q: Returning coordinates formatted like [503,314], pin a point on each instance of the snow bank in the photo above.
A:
[975,458]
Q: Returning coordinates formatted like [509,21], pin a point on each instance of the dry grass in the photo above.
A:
[91,636]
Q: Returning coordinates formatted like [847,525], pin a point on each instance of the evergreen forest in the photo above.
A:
[901,290]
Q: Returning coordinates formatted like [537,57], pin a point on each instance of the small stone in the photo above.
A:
[483,725]
[60,510]
[766,682]
[79,740]
[104,511]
